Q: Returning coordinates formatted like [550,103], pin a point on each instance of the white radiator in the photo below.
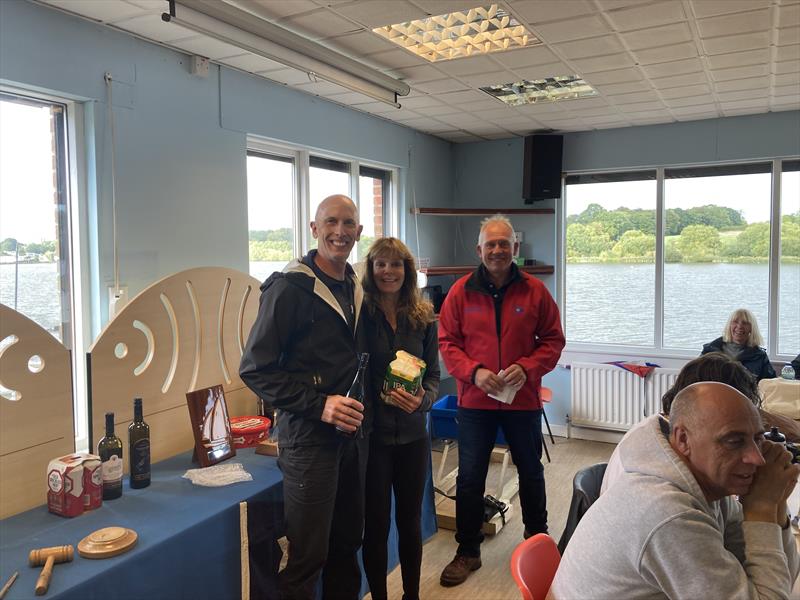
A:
[609,397]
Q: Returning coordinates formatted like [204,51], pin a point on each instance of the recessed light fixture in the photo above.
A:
[549,89]
[478,30]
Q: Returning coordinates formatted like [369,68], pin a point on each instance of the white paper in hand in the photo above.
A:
[507,394]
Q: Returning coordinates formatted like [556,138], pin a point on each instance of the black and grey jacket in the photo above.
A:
[301,350]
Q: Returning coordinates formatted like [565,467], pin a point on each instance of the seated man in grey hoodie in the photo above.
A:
[671,527]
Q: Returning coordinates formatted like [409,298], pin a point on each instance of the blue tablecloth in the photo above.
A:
[189,538]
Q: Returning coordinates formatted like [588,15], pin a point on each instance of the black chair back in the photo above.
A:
[585,490]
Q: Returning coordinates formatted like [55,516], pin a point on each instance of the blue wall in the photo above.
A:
[181,145]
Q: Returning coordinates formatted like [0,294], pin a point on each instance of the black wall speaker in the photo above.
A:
[541,170]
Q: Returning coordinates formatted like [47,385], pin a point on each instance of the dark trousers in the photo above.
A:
[323,494]
[477,430]
[402,468]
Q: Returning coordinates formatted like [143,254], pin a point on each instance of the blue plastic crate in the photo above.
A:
[443,417]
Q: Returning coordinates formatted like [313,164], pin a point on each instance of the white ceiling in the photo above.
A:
[651,61]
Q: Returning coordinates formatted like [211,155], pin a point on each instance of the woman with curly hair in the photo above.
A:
[397,318]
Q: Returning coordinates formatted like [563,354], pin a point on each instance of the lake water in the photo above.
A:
[606,303]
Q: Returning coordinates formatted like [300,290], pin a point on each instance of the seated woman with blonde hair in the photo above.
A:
[741,340]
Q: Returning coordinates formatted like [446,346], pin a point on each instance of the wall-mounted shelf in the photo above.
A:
[475,212]
[464,269]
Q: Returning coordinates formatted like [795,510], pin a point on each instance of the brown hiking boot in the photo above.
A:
[459,569]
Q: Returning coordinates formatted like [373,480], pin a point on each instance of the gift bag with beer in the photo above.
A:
[405,371]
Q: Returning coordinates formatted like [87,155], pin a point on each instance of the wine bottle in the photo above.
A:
[356,391]
[139,448]
[109,448]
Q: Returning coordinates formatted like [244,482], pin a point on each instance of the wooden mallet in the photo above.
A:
[48,557]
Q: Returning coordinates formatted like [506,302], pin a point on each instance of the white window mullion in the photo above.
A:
[773,308]
[659,258]
[302,235]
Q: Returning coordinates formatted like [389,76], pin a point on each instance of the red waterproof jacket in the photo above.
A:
[530,335]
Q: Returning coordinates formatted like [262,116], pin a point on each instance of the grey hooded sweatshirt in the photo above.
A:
[654,535]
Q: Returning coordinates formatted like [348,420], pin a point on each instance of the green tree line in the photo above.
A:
[45,250]
[701,234]
[275,245]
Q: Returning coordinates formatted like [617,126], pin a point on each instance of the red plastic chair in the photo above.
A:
[534,564]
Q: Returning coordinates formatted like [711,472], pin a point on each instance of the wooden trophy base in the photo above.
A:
[267,448]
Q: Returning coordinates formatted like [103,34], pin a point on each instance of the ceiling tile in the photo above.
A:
[785,90]
[491,78]
[442,109]
[467,66]
[739,95]
[572,29]
[149,5]
[440,86]
[420,102]
[419,74]
[542,71]
[540,11]
[743,84]
[481,106]
[152,27]
[603,63]
[647,114]
[687,101]
[740,72]
[281,8]
[657,36]
[735,43]
[788,53]
[495,114]
[748,22]
[106,12]
[664,83]
[426,124]
[349,98]
[252,63]
[639,17]
[590,111]
[523,57]
[689,110]
[789,16]
[615,4]
[706,114]
[598,46]
[461,97]
[666,53]
[319,87]
[607,120]
[394,59]
[689,90]
[588,102]
[650,102]
[786,103]
[708,8]
[621,76]
[358,44]
[375,108]
[788,79]
[377,13]
[789,66]
[321,23]
[788,35]
[739,59]
[744,107]
[623,88]
[540,109]
[677,67]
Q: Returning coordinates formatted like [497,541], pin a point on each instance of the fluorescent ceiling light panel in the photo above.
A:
[245,30]
[549,89]
[476,31]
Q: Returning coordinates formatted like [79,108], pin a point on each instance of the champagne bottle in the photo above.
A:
[139,448]
[356,391]
[109,448]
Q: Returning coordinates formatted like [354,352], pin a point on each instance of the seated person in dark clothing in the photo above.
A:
[741,340]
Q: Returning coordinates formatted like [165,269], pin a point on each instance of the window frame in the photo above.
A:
[301,207]
[674,356]
[74,181]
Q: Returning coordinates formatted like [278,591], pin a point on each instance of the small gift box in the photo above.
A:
[248,432]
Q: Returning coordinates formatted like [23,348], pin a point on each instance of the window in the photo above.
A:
[38,276]
[659,259]
[610,250]
[373,191]
[789,274]
[270,212]
[716,250]
[284,188]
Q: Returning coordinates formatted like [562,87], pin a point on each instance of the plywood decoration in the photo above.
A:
[36,422]
[181,334]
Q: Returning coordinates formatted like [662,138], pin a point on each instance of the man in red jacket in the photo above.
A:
[499,330]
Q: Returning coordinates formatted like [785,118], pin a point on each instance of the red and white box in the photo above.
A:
[65,485]
[92,482]
[248,432]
